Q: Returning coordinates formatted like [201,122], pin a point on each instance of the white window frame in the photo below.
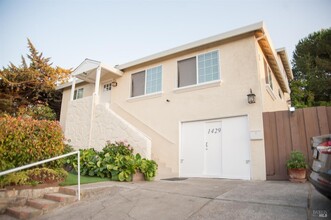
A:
[106,86]
[197,70]
[145,86]
[218,68]
[76,93]
[145,91]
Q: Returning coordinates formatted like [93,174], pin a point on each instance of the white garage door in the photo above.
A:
[217,148]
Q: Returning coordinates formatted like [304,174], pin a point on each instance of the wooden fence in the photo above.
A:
[285,131]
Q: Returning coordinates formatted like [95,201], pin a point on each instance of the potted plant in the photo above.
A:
[296,167]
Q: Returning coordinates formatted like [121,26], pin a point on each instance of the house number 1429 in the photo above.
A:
[214,130]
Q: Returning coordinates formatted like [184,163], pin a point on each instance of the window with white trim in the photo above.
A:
[78,94]
[107,87]
[200,69]
[268,75]
[146,82]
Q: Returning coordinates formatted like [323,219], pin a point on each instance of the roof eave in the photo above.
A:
[195,44]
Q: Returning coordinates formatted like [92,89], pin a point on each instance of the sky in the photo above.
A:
[119,31]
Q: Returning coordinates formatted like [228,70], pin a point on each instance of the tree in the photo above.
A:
[312,70]
[29,85]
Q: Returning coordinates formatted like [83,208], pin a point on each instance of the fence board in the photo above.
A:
[323,120]
[285,131]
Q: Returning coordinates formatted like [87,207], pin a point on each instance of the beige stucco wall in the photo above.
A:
[227,98]
[78,122]
[271,99]
[108,126]
[88,91]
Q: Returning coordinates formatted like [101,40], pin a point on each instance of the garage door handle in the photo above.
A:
[181,160]
[206,145]
[248,161]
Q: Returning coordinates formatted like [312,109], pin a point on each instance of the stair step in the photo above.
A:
[60,197]
[23,212]
[68,191]
[7,217]
[44,204]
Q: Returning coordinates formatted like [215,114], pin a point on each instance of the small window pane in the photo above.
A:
[208,67]
[187,72]
[154,80]
[138,84]
[78,93]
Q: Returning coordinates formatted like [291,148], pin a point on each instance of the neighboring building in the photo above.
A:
[185,107]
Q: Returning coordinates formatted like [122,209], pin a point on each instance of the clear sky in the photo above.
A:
[119,31]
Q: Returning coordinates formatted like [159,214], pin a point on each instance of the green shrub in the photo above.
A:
[115,161]
[296,161]
[24,141]
[46,175]
[34,176]
[38,112]
[17,178]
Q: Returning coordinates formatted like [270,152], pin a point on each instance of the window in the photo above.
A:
[280,94]
[200,69]
[268,74]
[107,87]
[147,82]
[78,94]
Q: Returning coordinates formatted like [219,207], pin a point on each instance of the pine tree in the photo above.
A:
[312,70]
[31,84]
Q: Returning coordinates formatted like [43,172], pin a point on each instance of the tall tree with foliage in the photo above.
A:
[30,87]
[312,70]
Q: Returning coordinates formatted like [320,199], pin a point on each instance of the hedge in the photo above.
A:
[24,141]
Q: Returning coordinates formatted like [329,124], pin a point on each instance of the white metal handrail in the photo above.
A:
[49,160]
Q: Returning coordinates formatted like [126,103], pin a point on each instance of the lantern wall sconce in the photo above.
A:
[251,97]
[113,84]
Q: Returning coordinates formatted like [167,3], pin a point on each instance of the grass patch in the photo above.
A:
[72,180]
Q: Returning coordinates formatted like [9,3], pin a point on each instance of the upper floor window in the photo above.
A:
[78,94]
[107,87]
[147,81]
[268,74]
[200,69]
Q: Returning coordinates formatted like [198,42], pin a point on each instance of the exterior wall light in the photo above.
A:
[251,97]
[113,84]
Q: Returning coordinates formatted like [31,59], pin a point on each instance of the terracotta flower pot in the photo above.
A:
[297,175]
[138,176]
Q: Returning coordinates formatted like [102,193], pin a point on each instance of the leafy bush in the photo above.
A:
[38,112]
[34,177]
[115,161]
[296,161]
[46,175]
[24,141]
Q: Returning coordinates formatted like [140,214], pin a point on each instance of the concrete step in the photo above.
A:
[60,197]
[7,217]
[43,204]
[68,191]
[23,212]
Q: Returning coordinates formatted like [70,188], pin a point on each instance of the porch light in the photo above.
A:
[113,84]
[251,97]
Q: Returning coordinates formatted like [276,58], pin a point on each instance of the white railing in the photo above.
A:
[49,160]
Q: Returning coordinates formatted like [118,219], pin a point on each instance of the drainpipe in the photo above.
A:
[95,101]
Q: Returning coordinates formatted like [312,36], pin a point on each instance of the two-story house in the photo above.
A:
[186,107]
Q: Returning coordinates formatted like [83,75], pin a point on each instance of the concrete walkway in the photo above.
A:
[196,198]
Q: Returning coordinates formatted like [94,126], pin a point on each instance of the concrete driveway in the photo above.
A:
[196,198]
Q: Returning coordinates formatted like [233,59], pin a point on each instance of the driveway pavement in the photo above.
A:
[196,198]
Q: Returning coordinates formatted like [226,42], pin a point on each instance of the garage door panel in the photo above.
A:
[235,149]
[191,153]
